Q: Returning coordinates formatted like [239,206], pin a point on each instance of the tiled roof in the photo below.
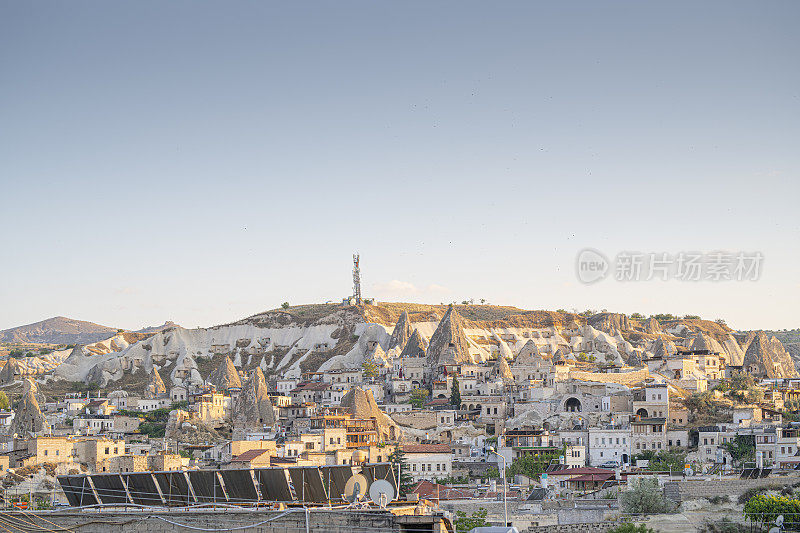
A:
[249,455]
[580,471]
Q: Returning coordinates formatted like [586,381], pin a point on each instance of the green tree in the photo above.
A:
[418,397]
[455,393]
[465,524]
[644,497]
[285,305]
[406,482]
[370,369]
[4,403]
[742,448]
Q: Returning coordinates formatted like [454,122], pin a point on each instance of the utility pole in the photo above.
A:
[356,280]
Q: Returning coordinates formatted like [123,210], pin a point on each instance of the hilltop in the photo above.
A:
[64,330]
[58,330]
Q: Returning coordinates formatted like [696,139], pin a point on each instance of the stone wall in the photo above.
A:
[250,521]
[624,378]
[693,490]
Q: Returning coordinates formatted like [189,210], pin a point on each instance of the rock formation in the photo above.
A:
[254,409]
[225,376]
[449,343]
[529,354]
[702,341]
[652,326]
[29,418]
[766,357]
[610,322]
[502,370]
[415,347]
[663,349]
[155,387]
[12,371]
[402,332]
[362,404]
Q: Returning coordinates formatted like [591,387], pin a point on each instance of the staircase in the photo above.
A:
[672,492]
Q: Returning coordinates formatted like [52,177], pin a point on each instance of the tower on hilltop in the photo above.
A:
[356,280]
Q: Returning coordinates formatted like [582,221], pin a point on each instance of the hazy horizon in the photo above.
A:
[203,162]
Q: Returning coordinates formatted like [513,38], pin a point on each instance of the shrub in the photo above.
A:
[765,509]
[726,525]
[644,496]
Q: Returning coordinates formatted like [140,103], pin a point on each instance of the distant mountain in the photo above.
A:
[58,330]
[155,329]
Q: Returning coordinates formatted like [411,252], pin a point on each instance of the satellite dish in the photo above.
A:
[381,492]
[356,488]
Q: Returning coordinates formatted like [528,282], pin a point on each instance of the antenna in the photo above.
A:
[381,492]
[356,280]
[356,488]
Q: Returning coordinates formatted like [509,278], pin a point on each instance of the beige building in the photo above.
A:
[94,452]
[166,461]
[51,449]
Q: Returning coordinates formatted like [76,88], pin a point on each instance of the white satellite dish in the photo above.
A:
[381,492]
[356,488]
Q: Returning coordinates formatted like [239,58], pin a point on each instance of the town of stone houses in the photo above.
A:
[476,414]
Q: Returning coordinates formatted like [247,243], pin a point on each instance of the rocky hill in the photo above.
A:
[58,330]
[63,330]
[297,339]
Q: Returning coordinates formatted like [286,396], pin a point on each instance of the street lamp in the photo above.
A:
[505,504]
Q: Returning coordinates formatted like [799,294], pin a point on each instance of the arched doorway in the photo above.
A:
[641,412]
[572,405]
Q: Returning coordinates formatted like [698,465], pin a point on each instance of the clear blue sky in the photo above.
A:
[201,161]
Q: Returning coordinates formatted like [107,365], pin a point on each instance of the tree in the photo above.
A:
[455,393]
[483,300]
[406,482]
[637,316]
[418,397]
[285,305]
[4,403]
[465,524]
[370,369]
[644,497]
[742,448]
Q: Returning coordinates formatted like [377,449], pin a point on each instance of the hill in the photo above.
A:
[58,330]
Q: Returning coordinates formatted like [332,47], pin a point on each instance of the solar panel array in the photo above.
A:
[309,484]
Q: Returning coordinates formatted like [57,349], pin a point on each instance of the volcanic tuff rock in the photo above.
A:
[502,370]
[610,322]
[402,331]
[767,357]
[362,404]
[528,354]
[415,347]
[449,343]
[28,417]
[652,326]
[11,371]
[155,387]
[254,409]
[663,349]
[225,376]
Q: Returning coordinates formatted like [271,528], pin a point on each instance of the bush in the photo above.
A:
[644,496]
[465,523]
[765,509]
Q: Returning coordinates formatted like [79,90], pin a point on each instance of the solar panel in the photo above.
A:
[308,484]
[175,487]
[109,488]
[273,484]
[206,486]
[142,488]
[240,485]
